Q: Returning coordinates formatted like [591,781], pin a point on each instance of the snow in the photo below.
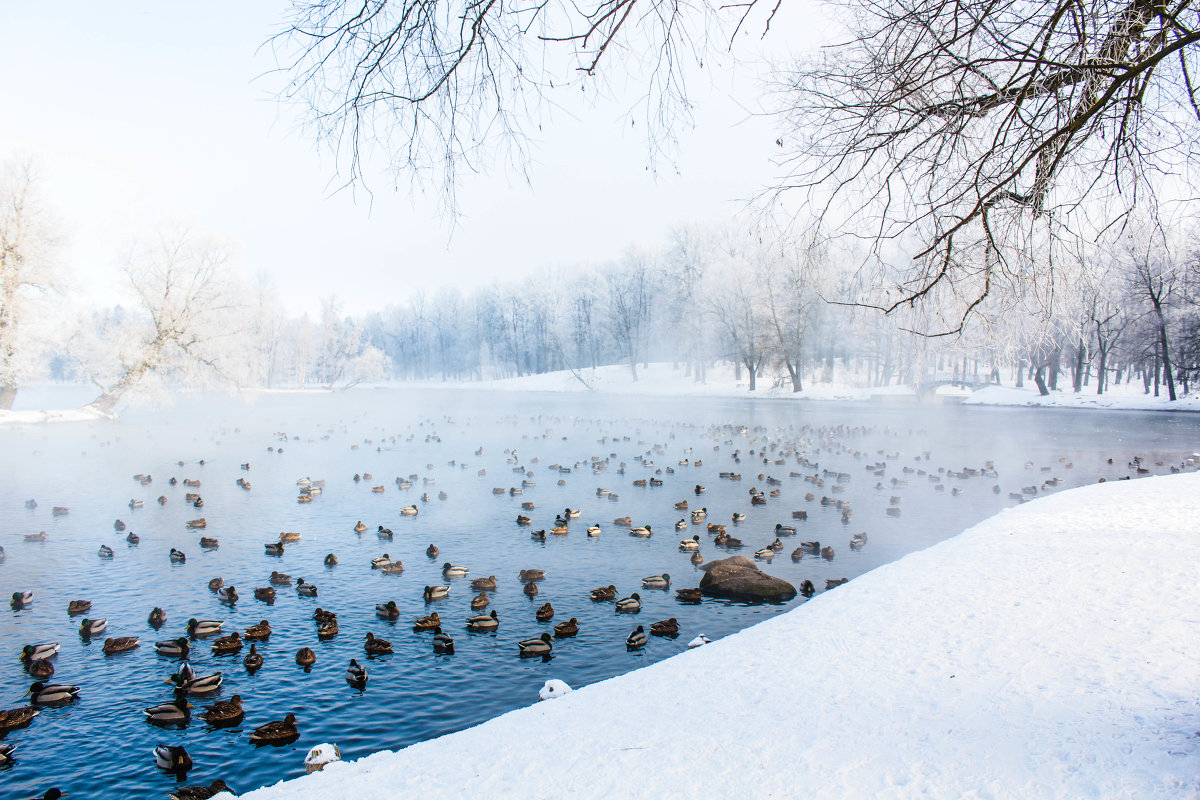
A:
[38,416]
[1050,651]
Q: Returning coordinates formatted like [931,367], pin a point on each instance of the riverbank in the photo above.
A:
[1047,652]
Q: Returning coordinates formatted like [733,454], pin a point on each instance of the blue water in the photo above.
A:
[101,745]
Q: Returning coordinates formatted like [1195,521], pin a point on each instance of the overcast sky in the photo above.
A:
[149,111]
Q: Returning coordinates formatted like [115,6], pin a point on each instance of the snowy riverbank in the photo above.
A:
[1047,652]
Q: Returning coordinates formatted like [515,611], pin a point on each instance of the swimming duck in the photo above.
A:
[681,525]
[442,643]
[690,544]
[681,505]
[172,758]
[604,593]
[484,584]
[765,554]
[541,646]
[409,511]
[105,551]
[199,792]
[636,640]
[565,629]
[559,530]
[528,575]
[739,516]
[784,530]
[6,754]
[273,548]
[173,648]
[387,610]
[375,647]
[643,531]
[289,537]
[427,623]
[133,538]
[776,545]
[523,520]
[277,732]
[209,543]
[177,712]
[14,718]
[630,605]
[92,627]
[827,553]
[216,584]
[483,623]
[331,560]
[807,589]
[657,581]
[688,595]
[539,535]
[436,593]
[858,540]
[227,644]
[360,527]
[665,627]
[594,530]
[157,618]
[32,652]
[177,556]
[118,525]
[203,627]
[20,600]
[305,657]
[305,589]
[227,594]
[531,589]
[356,675]
[327,630]
[253,660]
[453,570]
[623,521]
[280,579]
[385,533]
[119,644]
[265,593]
[381,561]
[323,616]
[36,537]
[187,679]
[260,631]
[224,713]
[545,613]
[52,694]
[40,668]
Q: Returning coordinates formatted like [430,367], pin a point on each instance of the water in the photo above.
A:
[101,745]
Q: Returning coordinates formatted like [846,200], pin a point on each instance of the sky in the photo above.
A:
[154,112]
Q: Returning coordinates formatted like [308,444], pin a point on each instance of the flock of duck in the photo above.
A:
[201,634]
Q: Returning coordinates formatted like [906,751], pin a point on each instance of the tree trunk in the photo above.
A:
[1166,355]
[8,394]
[1055,365]
[1078,380]
[1040,380]
[753,375]
[1020,373]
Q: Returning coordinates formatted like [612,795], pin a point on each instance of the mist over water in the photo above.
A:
[101,745]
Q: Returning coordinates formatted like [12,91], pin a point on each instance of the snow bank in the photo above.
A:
[1127,397]
[34,417]
[1048,652]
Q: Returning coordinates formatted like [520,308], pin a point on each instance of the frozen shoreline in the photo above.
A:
[1047,652]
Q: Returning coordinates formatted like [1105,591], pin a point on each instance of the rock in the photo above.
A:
[738,578]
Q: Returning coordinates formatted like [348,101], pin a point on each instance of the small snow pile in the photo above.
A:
[1048,652]
[320,756]
[553,689]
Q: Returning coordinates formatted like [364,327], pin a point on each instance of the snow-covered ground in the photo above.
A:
[1052,651]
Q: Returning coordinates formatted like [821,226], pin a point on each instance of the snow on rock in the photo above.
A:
[554,688]
[36,417]
[1048,652]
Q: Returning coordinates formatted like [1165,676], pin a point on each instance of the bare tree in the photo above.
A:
[628,317]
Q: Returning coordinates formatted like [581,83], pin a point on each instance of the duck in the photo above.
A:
[376,647]
[157,618]
[273,548]
[279,579]
[739,516]
[436,593]
[289,537]
[636,640]
[453,570]
[216,584]
[784,530]
[623,521]
[484,584]
[260,631]
[177,556]
[35,652]
[545,613]
[227,644]
[381,561]
[331,560]
[807,589]
[177,712]
[133,538]
[20,600]
[427,623]
[776,545]
[689,595]
[200,792]
[173,648]
[538,535]
[387,610]
[409,511]
[360,527]
[203,627]
[119,644]
[356,675]
[523,520]
[14,718]
[432,551]
[265,593]
[565,629]
[253,660]
[224,713]
[282,731]
[657,581]
[442,643]
[630,605]
[105,551]
[665,627]
[305,657]
[765,554]
[827,553]
[305,589]
[187,679]
[541,646]
[92,627]
[323,616]
[690,544]
[858,540]
[531,589]
[559,530]
[227,594]
[6,754]
[172,758]
[36,537]
[209,543]
[527,575]
[327,630]
[480,601]
[604,593]
[484,623]
[682,505]
[642,531]
[681,525]
[52,694]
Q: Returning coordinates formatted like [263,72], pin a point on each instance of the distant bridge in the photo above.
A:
[928,388]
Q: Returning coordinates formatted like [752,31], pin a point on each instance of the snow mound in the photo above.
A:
[1047,652]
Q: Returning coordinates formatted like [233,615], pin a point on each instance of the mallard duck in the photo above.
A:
[118,525]
[480,601]
[541,646]
[50,794]
[484,584]
[203,627]
[427,623]
[119,644]
[604,593]
[409,511]
[225,713]
[594,530]
[636,640]
[453,570]
[305,589]
[253,660]
[858,540]
[227,594]
[681,525]
[699,514]
[690,544]
[289,536]
[199,792]
[40,668]
[327,630]
[360,527]
[356,675]
[376,647]
[260,631]
[20,600]
[531,589]
[228,644]
[436,593]
[623,521]
[630,605]
[322,616]
[776,545]
[538,535]
[273,548]
[827,553]
[177,712]
[688,595]
[523,520]
[216,584]
[265,593]
[36,537]
[784,530]
[564,629]
[278,732]
[739,516]
[559,530]
[188,680]
[483,623]
[172,758]
[528,575]
[643,531]
[385,533]
[92,627]
[657,581]
[381,561]
[387,610]
[52,694]
[6,754]
[700,489]
[765,554]
[545,613]
[133,538]
[14,718]
[681,505]
[807,589]
[173,648]
[442,643]
[105,551]
[833,582]
[665,627]
[279,579]
[305,657]
[209,543]
[33,652]
[331,560]
[177,556]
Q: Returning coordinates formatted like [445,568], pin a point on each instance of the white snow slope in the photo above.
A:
[1052,651]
